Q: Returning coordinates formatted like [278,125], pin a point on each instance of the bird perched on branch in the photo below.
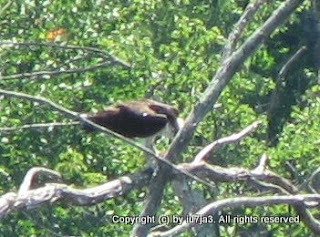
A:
[136,118]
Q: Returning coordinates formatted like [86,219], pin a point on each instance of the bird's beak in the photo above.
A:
[176,124]
[180,123]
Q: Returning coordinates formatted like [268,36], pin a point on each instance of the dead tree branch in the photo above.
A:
[38,125]
[243,21]
[32,198]
[206,152]
[230,174]
[212,208]
[39,74]
[108,59]
[285,68]
[77,116]
[33,173]
[209,97]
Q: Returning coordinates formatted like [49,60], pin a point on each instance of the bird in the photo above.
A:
[136,118]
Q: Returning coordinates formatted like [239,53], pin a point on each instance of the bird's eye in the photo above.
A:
[145,114]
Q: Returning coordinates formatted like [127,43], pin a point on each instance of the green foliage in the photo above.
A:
[299,141]
[174,48]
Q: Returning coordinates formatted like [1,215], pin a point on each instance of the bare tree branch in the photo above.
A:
[33,75]
[285,68]
[206,102]
[192,199]
[212,208]
[111,59]
[38,125]
[262,166]
[28,197]
[244,20]
[221,174]
[32,198]
[33,173]
[108,60]
[98,51]
[78,117]
[275,98]
[206,152]
[309,181]
[266,179]
[5,7]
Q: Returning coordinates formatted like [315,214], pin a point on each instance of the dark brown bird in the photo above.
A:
[136,118]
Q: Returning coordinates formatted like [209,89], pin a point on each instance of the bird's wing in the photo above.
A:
[141,122]
[141,111]
[102,117]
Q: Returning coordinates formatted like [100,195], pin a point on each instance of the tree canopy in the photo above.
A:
[244,75]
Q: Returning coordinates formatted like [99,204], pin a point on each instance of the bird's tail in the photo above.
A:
[87,127]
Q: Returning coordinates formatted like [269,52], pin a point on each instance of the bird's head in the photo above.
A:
[172,115]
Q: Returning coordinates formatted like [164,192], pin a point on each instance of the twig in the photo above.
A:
[276,93]
[244,20]
[5,7]
[309,181]
[102,53]
[37,125]
[207,100]
[190,198]
[224,74]
[266,179]
[34,75]
[31,175]
[220,174]
[206,152]
[262,165]
[32,198]
[285,68]
[83,119]
[41,100]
